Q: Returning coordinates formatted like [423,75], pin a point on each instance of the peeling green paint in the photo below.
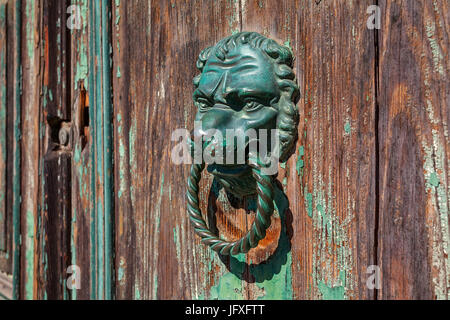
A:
[430,29]
[176,240]
[330,292]
[121,270]
[333,249]
[30,11]
[347,127]
[17,153]
[137,293]
[300,162]
[81,69]
[434,180]
[308,202]
[230,286]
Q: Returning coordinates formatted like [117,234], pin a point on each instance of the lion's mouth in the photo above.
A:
[229,170]
[236,179]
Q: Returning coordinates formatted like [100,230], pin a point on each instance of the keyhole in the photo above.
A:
[83,118]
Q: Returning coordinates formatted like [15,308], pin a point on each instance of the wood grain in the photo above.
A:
[82,205]
[3,57]
[6,52]
[302,256]
[334,197]
[368,184]
[30,144]
[155,50]
[414,150]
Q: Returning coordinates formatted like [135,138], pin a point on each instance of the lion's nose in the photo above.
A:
[221,97]
[221,92]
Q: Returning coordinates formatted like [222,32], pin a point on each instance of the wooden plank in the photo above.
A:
[8,93]
[81,206]
[57,205]
[414,150]
[30,142]
[331,180]
[329,252]
[3,159]
[330,206]
[101,149]
[16,111]
[82,142]
[5,286]
[157,253]
[52,250]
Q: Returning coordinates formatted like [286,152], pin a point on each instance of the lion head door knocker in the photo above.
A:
[246,93]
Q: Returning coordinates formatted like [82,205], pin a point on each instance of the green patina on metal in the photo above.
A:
[122,158]
[29,255]
[121,270]
[435,169]
[17,151]
[332,232]
[246,82]
[438,57]
[436,187]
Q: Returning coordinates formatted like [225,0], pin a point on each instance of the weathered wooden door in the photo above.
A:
[91,205]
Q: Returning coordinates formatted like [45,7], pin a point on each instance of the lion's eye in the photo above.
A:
[203,105]
[252,106]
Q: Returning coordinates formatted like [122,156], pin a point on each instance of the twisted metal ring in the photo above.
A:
[258,229]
